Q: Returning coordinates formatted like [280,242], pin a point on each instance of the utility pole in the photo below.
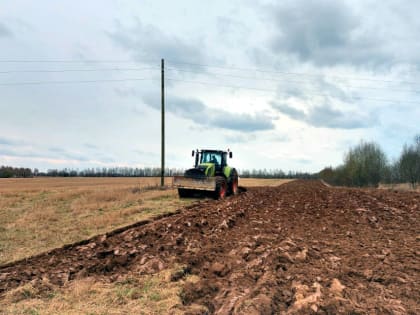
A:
[162,167]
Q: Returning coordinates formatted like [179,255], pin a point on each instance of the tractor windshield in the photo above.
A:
[211,157]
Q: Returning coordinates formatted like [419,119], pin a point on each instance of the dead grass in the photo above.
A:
[131,294]
[43,213]
[14,185]
[402,187]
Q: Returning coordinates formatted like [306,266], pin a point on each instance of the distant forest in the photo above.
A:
[8,171]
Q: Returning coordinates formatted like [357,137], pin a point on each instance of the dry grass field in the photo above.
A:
[131,294]
[401,187]
[38,214]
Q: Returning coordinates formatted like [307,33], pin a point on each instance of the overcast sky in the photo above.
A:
[283,84]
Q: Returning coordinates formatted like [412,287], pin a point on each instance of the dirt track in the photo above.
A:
[294,249]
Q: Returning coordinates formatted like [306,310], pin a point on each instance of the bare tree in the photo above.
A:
[409,162]
[364,165]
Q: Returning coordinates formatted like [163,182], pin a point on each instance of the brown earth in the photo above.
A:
[299,248]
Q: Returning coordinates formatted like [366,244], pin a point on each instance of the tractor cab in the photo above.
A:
[217,158]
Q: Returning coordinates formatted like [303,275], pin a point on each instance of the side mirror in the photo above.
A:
[230,154]
[192,154]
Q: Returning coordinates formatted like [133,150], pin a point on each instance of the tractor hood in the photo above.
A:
[203,169]
[208,168]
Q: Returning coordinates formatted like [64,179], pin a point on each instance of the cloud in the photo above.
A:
[328,117]
[5,31]
[240,138]
[280,138]
[20,153]
[90,146]
[326,32]
[290,111]
[240,122]
[304,161]
[325,116]
[146,42]
[199,113]
[232,30]
[10,141]
[48,153]
[63,153]
[145,153]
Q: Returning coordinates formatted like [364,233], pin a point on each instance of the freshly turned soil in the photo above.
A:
[298,248]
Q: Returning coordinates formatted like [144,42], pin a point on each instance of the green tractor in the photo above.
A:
[210,174]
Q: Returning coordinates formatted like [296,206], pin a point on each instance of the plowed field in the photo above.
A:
[298,248]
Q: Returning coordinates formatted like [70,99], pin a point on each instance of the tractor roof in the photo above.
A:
[215,151]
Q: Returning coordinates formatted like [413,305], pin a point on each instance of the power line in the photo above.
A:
[186,81]
[205,66]
[221,85]
[295,73]
[78,70]
[194,71]
[294,81]
[75,81]
[72,61]
[170,79]
[271,90]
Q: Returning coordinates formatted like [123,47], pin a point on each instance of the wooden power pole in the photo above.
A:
[162,167]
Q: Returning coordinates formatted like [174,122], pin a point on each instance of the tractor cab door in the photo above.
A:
[217,160]
[224,160]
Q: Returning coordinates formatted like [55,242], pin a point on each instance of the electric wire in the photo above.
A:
[272,90]
[294,81]
[78,70]
[191,82]
[188,81]
[205,66]
[192,71]
[293,73]
[73,61]
[75,81]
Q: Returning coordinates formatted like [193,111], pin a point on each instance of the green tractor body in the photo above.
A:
[209,174]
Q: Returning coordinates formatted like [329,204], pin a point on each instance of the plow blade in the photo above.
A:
[206,183]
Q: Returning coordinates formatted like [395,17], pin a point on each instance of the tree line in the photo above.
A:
[8,171]
[367,165]
[274,173]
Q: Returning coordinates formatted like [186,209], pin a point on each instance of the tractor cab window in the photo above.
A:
[211,157]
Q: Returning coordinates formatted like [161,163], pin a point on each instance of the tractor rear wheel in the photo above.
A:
[233,183]
[221,188]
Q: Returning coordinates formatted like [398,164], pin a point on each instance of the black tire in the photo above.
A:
[221,188]
[184,193]
[233,183]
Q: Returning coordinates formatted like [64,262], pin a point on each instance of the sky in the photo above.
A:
[288,85]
